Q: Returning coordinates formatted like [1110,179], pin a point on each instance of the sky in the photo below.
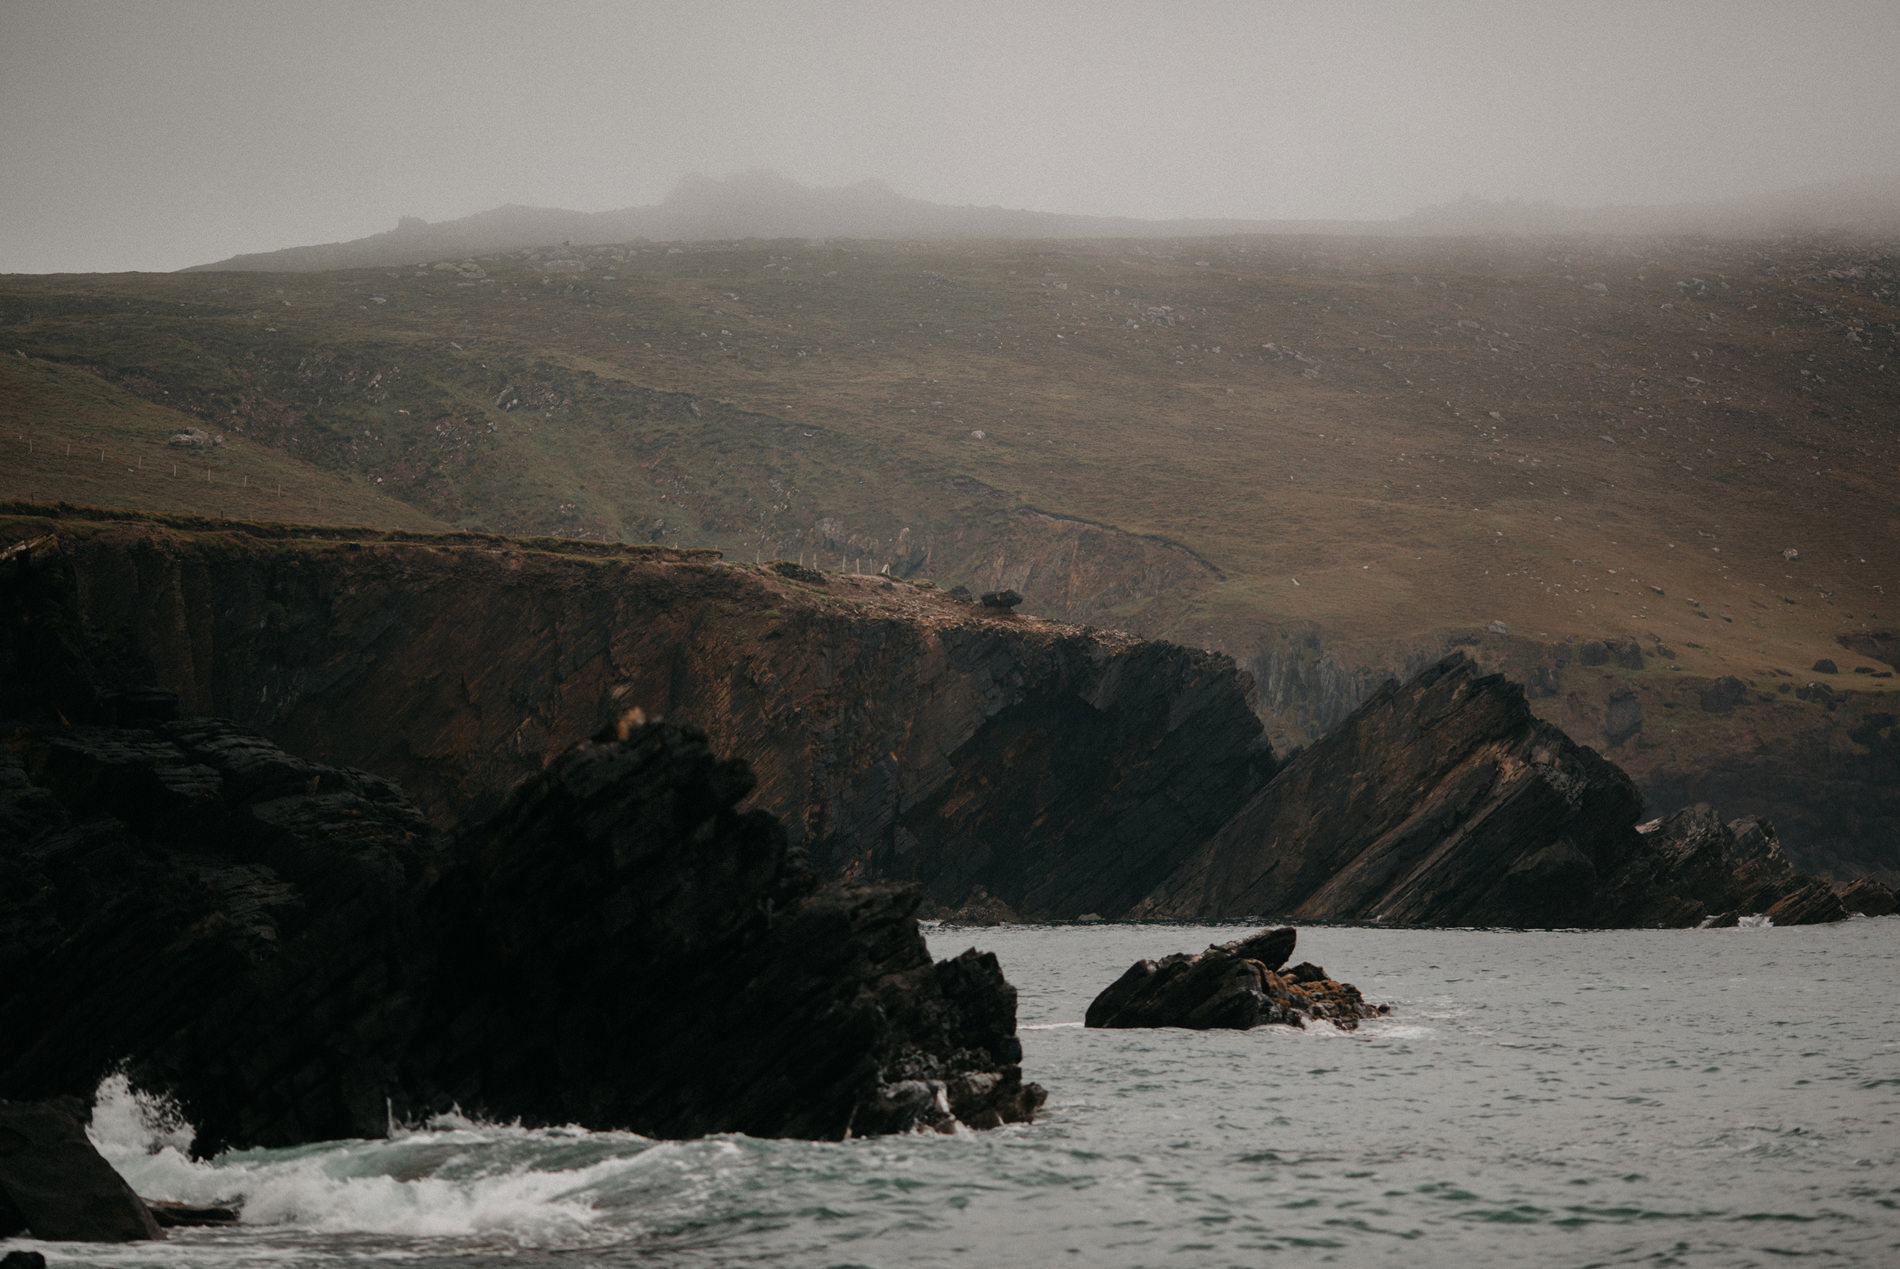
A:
[155,134]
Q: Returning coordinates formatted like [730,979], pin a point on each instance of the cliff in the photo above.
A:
[898,732]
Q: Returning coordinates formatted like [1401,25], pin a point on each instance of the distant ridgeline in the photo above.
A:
[1033,769]
[764,205]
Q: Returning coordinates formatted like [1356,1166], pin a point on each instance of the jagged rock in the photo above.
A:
[283,948]
[1230,985]
[1440,802]
[1694,868]
[981,908]
[1003,599]
[194,899]
[1813,902]
[54,1185]
[1869,898]
[1445,802]
[678,990]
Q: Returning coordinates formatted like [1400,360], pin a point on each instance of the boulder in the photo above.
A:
[1825,665]
[1622,717]
[1001,599]
[1230,985]
[54,1185]
[1869,898]
[793,571]
[1629,653]
[174,1215]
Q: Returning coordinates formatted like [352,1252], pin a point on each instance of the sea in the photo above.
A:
[1569,1098]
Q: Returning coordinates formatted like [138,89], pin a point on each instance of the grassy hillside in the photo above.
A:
[1417,434]
[1327,456]
[69,436]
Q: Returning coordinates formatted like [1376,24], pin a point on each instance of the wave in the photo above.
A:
[454,1176]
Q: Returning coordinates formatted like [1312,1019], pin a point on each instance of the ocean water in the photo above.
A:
[1715,1097]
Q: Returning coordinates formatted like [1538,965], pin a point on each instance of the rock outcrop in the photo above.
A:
[1692,868]
[54,1184]
[1446,802]
[897,733]
[1233,985]
[1868,897]
[287,950]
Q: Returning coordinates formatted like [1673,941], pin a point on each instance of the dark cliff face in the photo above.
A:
[285,948]
[1446,802]
[898,732]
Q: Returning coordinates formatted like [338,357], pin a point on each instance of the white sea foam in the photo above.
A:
[538,1187]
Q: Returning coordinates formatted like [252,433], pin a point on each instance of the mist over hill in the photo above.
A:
[766,205]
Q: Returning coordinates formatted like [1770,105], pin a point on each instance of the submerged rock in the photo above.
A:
[283,948]
[1233,985]
[54,1184]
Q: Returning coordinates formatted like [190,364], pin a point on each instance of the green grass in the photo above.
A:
[779,399]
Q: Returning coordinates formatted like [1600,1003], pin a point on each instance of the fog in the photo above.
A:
[153,136]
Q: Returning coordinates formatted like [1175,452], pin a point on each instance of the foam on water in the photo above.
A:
[1627,1097]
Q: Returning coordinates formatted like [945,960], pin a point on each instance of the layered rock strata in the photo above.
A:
[287,949]
[1446,802]
[898,733]
[1234,985]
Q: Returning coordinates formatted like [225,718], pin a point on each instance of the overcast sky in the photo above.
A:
[159,133]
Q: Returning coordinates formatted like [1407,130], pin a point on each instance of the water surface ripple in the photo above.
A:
[1592,1098]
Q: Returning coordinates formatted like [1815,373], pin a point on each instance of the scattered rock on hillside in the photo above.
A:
[792,570]
[1629,653]
[1622,717]
[1724,694]
[54,1184]
[1001,599]
[1233,985]
[1825,666]
[1593,652]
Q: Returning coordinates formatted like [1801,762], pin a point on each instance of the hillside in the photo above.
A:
[1330,457]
